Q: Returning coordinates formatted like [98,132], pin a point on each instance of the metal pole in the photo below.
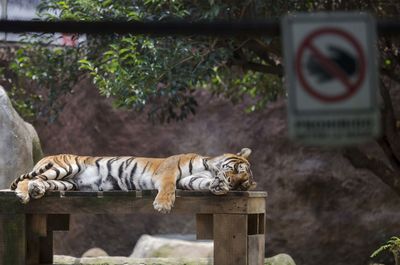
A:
[183,28]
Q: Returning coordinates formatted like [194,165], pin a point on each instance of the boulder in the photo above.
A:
[160,247]
[163,247]
[94,252]
[19,143]
[280,259]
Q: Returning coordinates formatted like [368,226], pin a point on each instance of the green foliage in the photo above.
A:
[247,85]
[24,102]
[393,246]
[39,74]
[163,72]
[160,75]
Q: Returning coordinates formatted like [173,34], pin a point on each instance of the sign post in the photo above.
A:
[332,78]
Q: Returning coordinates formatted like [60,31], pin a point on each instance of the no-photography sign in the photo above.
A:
[331,74]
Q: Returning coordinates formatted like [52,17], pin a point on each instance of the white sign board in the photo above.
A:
[331,76]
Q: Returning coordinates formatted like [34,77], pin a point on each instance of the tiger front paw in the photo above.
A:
[36,189]
[164,202]
[219,185]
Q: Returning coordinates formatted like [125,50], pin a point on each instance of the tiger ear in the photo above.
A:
[245,152]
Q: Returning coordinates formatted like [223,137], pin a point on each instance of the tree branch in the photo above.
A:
[359,160]
[263,52]
[383,143]
[262,68]
[241,60]
[389,143]
[389,122]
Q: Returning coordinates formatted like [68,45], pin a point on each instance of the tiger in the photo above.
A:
[191,171]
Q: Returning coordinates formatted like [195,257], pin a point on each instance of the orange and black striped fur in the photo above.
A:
[186,171]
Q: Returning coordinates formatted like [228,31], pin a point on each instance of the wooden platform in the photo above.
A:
[236,221]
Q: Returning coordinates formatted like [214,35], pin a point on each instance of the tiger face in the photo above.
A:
[236,169]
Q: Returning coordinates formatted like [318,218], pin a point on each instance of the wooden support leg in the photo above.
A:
[55,222]
[36,227]
[12,239]
[256,239]
[230,239]
[46,249]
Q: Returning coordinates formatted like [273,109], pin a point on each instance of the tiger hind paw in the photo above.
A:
[36,189]
[22,196]
[22,192]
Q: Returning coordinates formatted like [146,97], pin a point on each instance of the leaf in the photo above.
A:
[379,250]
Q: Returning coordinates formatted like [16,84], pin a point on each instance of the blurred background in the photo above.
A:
[145,96]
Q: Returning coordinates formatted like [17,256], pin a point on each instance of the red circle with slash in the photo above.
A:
[331,67]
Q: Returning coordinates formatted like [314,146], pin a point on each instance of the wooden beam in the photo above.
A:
[46,249]
[55,222]
[230,239]
[256,249]
[36,227]
[126,205]
[12,239]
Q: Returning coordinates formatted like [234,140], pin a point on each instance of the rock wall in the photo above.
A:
[19,143]
[320,209]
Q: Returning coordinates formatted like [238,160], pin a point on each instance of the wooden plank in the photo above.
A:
[10,203]
[210,205]
[36,227]
[131,203]
[37,224]
[256,249]
[55,222]
[12,239]
[46,249]
[7,192]
[250,194]
[230,239]
[256,205]
[123,205]
[204,226]
[144,193]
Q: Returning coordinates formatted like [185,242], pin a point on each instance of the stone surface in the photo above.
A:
[19,143]
[281,259]
[320,209]
[158,247]
[94,252]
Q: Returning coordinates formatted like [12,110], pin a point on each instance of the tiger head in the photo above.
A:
[236,169]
